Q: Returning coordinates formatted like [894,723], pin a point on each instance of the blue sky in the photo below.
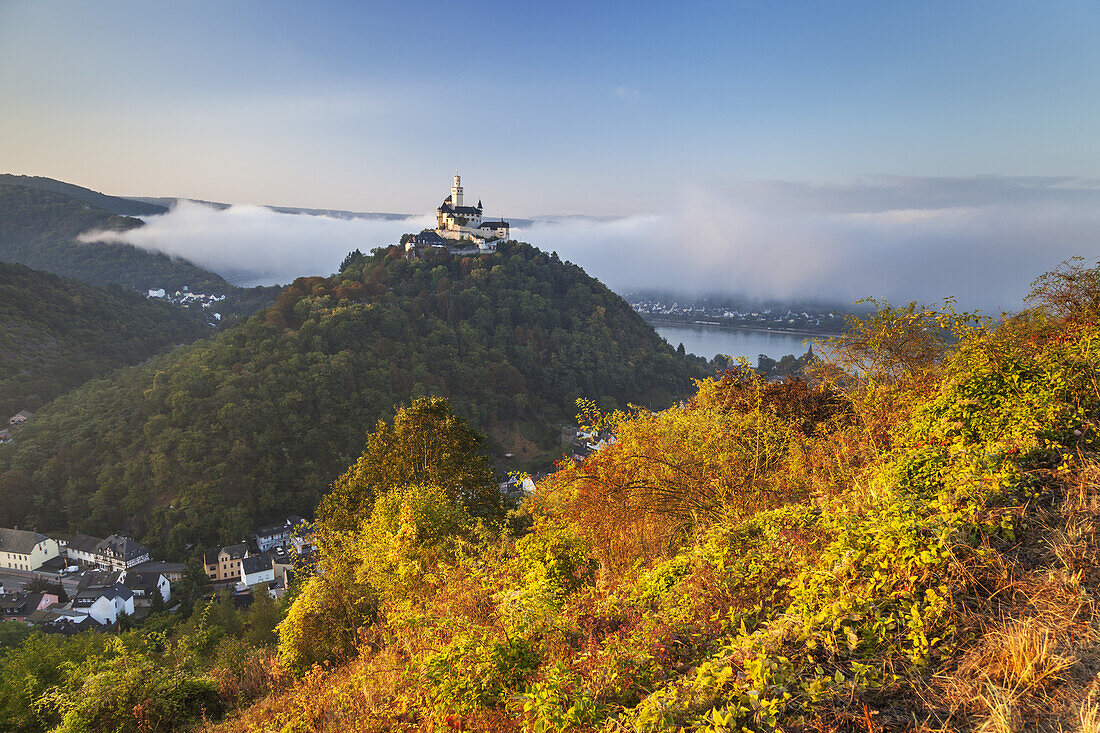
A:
[547,108]
[832,149]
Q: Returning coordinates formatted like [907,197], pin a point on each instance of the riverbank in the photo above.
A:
[727,327]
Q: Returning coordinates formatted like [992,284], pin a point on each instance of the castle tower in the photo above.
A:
[456,191]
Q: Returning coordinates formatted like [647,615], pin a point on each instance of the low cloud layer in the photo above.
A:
[254,245]
[979,240]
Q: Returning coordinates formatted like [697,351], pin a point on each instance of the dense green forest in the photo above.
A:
[38,228]
[56,334]
[110,204]
[207,442]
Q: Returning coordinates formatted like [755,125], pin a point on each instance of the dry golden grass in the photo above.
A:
[1088,717]
[1032,618]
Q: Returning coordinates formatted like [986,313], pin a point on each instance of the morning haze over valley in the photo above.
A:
[565,367]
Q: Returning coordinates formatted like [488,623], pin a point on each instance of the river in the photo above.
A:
[706,341]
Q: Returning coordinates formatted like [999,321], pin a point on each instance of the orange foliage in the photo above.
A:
[735,449]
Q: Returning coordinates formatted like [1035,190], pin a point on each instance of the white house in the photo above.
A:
[273,535]
[105,605]
[257,569]
[145,585]
[19,418]
[82,549]
[23,550]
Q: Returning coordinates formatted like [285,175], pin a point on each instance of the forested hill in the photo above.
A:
[38,228]
[111,204]
[56,333]
[211,439]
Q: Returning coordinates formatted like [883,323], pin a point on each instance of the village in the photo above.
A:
[65,583]
[704,312]
[187,299]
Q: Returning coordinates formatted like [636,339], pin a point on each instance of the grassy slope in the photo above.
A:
[926,561]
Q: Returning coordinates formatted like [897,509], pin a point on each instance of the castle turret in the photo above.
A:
[456,191]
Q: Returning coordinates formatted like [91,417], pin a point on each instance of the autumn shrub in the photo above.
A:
[425,443]
[477,670]
[723,456]
[552,562]
[322,625]
[129,693]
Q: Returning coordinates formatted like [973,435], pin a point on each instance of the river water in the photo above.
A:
[706,341]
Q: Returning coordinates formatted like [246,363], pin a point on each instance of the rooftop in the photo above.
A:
[19,541]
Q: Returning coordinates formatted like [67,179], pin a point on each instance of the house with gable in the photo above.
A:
[142,584]
[224,564]
[121,553]
[82,549]
[105,605]
[256,569]
[146,585]
[273,535]
[24,550]
[115,553]
[18,606]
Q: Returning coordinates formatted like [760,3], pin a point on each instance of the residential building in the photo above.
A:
[257,569]
[81,549]
[147,584]
[173,571]
[18,606]
[116,552]
[23,550]
[225,564]
[121,553]
[105,605]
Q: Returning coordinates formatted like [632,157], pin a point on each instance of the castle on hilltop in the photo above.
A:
[460,228]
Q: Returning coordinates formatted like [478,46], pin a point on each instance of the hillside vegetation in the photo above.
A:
[39,227]
[56,334]
[110,204]
[208,442]
[910,548]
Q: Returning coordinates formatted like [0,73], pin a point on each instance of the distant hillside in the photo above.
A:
[56,334]
[38,228]
[111,204]
[207,441]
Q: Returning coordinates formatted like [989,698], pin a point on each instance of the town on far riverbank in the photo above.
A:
[714,311]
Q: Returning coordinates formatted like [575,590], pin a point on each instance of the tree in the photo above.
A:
[38,584]
[1069,290]
[425,444]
